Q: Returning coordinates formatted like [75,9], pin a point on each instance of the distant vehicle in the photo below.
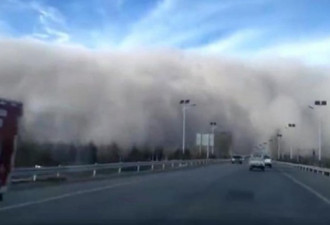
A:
[257,161]
[236,159]
[268,161]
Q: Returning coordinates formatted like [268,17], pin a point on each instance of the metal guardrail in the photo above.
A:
[308,168]
[38,172]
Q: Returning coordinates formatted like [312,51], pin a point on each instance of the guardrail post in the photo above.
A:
[138,168]
[172,165]
[152,167]
[163,166]
[119,170]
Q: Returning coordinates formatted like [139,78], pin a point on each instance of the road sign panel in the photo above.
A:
[3,113]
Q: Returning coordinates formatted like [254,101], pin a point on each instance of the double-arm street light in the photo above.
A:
[291,125]
[319,103]
[185,105]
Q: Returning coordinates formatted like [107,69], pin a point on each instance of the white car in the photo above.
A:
[257,161]
[268,161]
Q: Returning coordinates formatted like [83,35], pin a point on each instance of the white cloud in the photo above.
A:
[41,36]
[170,24]
[314,52]
[61,37]
[181,24]
[48,13]
[52,24]
[229,44]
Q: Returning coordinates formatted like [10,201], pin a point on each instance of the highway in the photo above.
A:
[214,194]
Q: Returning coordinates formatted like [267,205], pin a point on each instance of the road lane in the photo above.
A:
[316,181]
[209,195]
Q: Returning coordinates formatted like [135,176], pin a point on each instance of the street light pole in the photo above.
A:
[320,103]
[200,144]
[278,146]
[320,140]
[291,125]
[184,129]
[213,126]
[208,147]
[184,104]
[270,148]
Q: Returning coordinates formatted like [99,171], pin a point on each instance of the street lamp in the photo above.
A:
[270,144]
[291,125]
[319,103]
[278,145]
[185,105]
[265,146]
[213,127]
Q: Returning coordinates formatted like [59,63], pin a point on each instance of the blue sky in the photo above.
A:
[297,29]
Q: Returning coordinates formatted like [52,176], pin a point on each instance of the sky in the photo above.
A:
[298,30]
[116,69]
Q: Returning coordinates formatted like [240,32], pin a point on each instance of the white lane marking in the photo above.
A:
[308,188]
[63,196]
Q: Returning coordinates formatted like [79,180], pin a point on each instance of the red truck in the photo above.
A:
[10,112]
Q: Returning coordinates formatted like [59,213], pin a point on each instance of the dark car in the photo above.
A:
[236,159]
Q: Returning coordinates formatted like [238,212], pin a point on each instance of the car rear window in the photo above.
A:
[256,155]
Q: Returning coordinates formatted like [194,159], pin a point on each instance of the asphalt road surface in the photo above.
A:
[216,194]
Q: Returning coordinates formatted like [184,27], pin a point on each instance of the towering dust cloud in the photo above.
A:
[75,94]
